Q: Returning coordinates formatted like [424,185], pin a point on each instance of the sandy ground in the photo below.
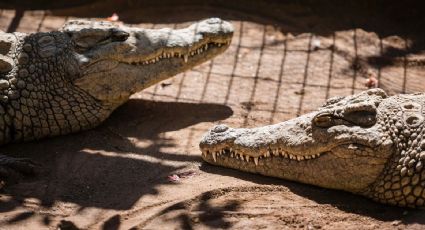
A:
[117,176]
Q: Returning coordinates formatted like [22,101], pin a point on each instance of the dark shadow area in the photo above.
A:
[21,216]
[213,216]
[344,201]
[321,17]
[87,169]
[395,56]
[210,215]
[112,223]
[44,4]
[67,225]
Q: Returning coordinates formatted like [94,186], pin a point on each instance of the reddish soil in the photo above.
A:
[123,174]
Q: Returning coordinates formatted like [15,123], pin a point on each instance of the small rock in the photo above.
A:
[316,43]
[396,223]
[114,17]
[300,92]
[371,82]
[173,178]
[165,84]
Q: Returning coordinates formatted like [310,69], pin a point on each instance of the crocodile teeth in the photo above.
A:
[256,160]
[271,152]
[214,156]
[247,158]
[185,57]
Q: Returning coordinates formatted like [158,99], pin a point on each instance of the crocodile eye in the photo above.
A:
[361,118]
[323,120]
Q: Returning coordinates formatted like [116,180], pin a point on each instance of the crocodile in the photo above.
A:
[369,144]
[69,80]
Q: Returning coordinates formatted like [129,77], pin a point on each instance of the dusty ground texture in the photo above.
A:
[122,174]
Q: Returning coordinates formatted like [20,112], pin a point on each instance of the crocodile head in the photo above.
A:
[114,62]
[367,143]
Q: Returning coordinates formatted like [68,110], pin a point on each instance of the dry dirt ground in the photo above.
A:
[117,176]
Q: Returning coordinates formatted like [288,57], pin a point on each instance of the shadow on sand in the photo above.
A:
[79,169]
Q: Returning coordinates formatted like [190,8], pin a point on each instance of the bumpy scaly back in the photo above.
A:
[403,180]
[15,56]
[37,94]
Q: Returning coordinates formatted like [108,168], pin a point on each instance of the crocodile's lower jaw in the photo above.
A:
[211,47]
[196,55]
[270,165]
[317,171]
[223,154]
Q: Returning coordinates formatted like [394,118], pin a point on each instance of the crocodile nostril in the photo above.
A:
[119,35]
[219,128]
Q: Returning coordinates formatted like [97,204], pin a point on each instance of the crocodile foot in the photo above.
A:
[12,169]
